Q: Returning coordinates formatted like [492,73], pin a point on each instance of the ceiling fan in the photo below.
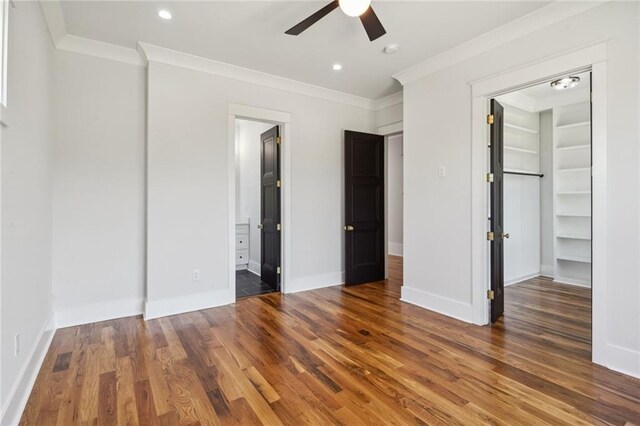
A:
[361,8]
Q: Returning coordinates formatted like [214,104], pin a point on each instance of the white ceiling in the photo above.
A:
[251,34]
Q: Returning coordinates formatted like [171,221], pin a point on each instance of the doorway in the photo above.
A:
[394,160]
[540,210]
[258,224]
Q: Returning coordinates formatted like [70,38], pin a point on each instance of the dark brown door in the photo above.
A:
[364,207]
[270,207]
[497,211]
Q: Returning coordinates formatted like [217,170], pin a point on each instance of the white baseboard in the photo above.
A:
[191,302]
[254,267]
[395,249]
[19,393]
[520,279]
[547,271]
[241,267]
[572,281]
[314,282]
[96,312]
[623,360]
[433,302]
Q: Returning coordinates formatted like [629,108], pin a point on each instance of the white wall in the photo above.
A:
[389,115]
[26,300]
[437,124]
[99,194]
[188,181]
[248,183]
[546,194]
[394,200]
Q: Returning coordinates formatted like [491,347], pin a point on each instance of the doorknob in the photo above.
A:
[259,226]
[505,235]
[348,228]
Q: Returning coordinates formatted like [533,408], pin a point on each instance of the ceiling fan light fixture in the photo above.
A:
[354,7]
[565,83]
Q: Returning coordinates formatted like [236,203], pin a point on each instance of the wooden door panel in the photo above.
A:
[364,207]
[497,210]
[270,208]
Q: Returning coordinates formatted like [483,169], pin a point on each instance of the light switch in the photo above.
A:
[442,171]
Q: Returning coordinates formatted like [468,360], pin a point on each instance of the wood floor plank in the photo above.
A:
[339,355]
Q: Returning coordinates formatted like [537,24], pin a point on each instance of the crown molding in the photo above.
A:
[541,18]
[387,101]
[54,16]
[85,46]
[185,60]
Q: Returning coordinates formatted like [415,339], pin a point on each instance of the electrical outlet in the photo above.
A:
[442,171]
[195,275]
[16,349]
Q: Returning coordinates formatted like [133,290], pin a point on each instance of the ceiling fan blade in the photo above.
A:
[297,29]
[372,24]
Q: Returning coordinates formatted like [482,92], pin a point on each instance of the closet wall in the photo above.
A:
[548,219]
[521,194]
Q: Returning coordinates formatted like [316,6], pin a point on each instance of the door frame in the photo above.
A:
[283,120]
[392,129]
[593,58]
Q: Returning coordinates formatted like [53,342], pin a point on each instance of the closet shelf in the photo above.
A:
[582,259]
[568,148]
[574,237]
[520,128]
[575,169]
[572,125]
[573,192]
[513,148]
[574,214]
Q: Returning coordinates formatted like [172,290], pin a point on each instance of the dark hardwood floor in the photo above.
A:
[250,284]
[338,355]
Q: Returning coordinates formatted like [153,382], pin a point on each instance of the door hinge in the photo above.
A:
[490,119]
[278,183]
[278,140]
[489,177]
[490,236]
[278,227]
[278,270]
[491,294]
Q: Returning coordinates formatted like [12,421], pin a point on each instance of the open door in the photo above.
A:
[364,207]
[270,207]
[496,235]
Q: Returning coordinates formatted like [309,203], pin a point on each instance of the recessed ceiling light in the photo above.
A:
[565,83]
[336,67]
[391,48]
[164,14]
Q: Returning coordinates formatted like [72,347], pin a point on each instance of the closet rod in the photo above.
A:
[524,174]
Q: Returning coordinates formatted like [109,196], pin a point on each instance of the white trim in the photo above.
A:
[541,71]
[19,394]
[187,303]
[521,279]
[99,49]
[284,120]
[395,249]
[314,282]
[53,15]
[390,129]
[388,101]
[594,57]
[572,281]
[541,18]
[184,60]
[624,360]
[95,312]
[440,304]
